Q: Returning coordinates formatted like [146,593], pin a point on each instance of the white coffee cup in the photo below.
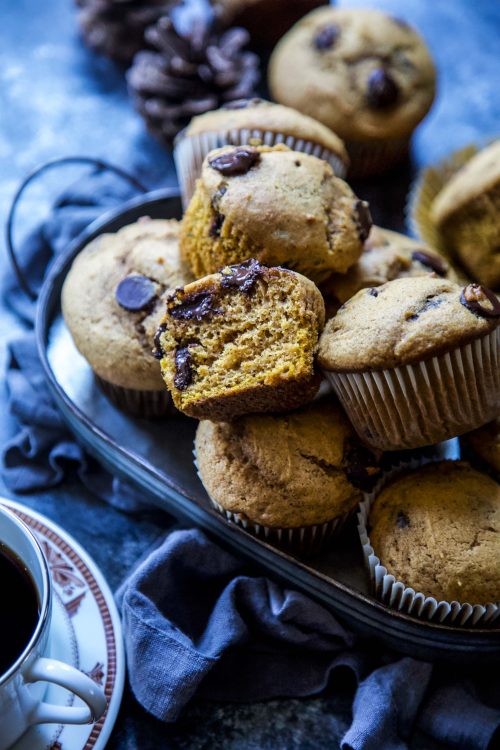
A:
[23,685]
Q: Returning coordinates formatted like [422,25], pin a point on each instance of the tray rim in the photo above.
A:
[313,582]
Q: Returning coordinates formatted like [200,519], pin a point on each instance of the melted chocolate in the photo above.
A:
[476,297]
[358,461]
[363,219]
[158,352]
[242,277]
[236,162]
[183,368]
[192,307]
[382,90]
[434,262]
[135,293]
[326,37]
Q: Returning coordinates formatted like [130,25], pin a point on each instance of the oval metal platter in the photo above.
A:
[157,456]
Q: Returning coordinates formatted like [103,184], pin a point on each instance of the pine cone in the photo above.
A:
[191,69]
[115,28]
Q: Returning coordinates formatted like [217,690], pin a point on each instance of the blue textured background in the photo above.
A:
[57,98]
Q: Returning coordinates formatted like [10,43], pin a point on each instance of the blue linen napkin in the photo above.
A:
[43,452]
[197,622]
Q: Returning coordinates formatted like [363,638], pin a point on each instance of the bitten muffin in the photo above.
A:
[437,530]
[467,212]
[258,123]
[386,256]
[366,75]
[241,341]
[414,361]
[113,299]
[484,444]
[282,207]
[289,471]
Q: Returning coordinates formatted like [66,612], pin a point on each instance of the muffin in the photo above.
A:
[483,446]
[241,341]
[366,75]
[415,361]
[386,256]
[436,530]
[282,207]
[291,478]
[255,122]
[467,213]
[266,20]
[113,299]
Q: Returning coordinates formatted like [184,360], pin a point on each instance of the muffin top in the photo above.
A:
[480,174]
[386,256]
[114,297]
[405,321]
[289,470]
[258,114]
[365,74]
[283,207]
[437,530]
[485,443]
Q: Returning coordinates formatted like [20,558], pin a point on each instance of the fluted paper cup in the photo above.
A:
[136,402]
[424,403]
[397,595]
[190,152]
[376,157]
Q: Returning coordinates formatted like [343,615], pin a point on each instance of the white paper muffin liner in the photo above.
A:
[405,599]
[421,404]
[136,402]
[376,157]
[189,152]
[305,541]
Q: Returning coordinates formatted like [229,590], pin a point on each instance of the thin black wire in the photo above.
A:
[99,163]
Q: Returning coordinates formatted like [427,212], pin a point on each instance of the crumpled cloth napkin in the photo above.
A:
[197,622]
[43,452]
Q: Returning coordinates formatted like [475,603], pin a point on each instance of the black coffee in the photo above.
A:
[19,608]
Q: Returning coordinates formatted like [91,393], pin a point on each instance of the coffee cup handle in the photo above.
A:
[66,676]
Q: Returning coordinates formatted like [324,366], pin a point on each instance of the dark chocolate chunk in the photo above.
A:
[434,262]
[158,352]
[135,293]
[183,368]
[382,90]
[430,302]
[216,225]
[363,219]
[192,307]
[235,162]
[326,37]
[361,467]
[242,103]
[373,292]
[242,277]
[402,520]
[481,301]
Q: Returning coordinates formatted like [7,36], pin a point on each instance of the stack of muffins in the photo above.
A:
[275,281]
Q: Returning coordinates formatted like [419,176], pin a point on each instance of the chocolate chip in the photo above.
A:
[235,162]
[361,467]
[243,276]
[373,292]
[183,368]
[434,262]
[476,298]
[135,293]
[192,307]
[431,301]
[216,225]
[402,520]
[242,103]
[382,90]
[363,219]
[326,37]
[158,352]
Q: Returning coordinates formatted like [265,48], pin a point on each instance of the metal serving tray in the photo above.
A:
[157,456]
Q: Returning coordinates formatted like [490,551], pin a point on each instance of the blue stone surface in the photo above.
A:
[56,99]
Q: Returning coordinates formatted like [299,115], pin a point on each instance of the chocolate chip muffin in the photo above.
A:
[366,75]
[483,446]
[113,299]
[285,474]
[241,341]
[414,360]
[437,529]
[386,256]
[282,207]
[467,213]
[258,123]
